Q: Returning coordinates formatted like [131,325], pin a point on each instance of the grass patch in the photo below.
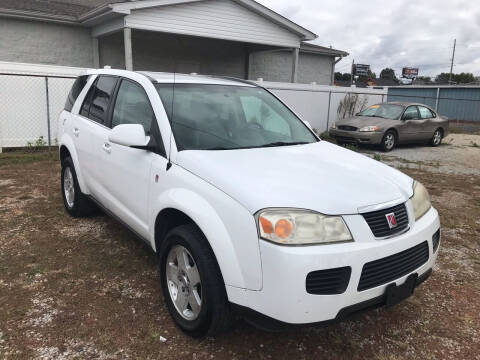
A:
[377,157]
[456,130]
[22,157]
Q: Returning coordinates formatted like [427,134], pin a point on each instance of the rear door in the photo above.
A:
[91,130]
[126,178]
[428,125]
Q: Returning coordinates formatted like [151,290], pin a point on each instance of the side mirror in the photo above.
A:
[132,135]
[308,124]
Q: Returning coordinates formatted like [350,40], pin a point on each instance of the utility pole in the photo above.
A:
[351,72]
[453,58]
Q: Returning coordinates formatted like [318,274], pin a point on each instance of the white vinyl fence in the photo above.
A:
[318,104]
[32,97]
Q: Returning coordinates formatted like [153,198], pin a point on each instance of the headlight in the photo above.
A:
[420,200]
[334,126]
[369,128]
[301,227]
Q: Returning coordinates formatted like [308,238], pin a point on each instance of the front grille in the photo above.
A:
[347,128]
[436,240]
[328,282]
[377,220]
[382,271]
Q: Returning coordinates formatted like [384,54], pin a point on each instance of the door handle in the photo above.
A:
[76,131]
[107,148]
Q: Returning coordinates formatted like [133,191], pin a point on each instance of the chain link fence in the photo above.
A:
[29,109]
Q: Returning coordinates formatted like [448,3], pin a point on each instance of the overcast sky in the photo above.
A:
[393,33]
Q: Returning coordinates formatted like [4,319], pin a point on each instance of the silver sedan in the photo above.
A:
[389,124]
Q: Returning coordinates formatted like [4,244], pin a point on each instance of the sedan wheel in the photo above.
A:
[437,137]
[183,282]
[388,141]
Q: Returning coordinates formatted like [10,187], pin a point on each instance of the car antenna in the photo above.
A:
[169,163]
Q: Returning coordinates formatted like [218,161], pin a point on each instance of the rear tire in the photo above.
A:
[76,203]
[193,288]
[437,138]
[389,141]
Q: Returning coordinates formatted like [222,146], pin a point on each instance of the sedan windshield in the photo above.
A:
[220,117]
[386,111]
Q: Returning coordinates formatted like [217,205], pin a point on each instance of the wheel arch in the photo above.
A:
[440,127]
[395,131]
[183,206]
[67,148]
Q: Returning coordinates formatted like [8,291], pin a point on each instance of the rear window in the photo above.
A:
[77,88]
[97,101]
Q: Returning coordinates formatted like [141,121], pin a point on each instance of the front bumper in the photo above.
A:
[356,137]
[284,297]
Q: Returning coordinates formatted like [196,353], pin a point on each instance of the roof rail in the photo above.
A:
[235,79]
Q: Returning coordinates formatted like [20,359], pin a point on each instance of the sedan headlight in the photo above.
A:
[369,128]
[420,200]
[301,227]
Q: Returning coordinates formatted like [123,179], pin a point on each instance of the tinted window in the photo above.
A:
[411,113]
[132,106]
[208,117]
[425,113]
[77,88]
[95,106]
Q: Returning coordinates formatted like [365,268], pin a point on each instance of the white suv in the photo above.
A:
[247,209]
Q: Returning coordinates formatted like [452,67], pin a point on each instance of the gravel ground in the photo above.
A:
[458,154]
[86,289]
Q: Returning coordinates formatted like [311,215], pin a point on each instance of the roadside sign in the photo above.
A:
[409,72]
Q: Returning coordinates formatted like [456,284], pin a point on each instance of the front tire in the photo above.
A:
[437,138]
[389,141]
[192,285]
[76,203]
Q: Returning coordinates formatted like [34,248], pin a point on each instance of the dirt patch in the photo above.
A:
[458,154]
[86,288]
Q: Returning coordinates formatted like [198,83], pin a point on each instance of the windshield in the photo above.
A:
[386,111]
[219,117]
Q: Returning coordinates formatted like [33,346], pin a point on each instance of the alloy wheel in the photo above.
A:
[69,187]
[184,283]
[389,141]
[437,137]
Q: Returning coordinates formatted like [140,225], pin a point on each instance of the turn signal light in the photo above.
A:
[267,226]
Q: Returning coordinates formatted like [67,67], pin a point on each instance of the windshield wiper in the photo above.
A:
[283,143]
[274,144]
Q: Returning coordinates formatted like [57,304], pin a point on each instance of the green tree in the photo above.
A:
[342,77]
[425,78]
[442,78]
[388,73]
[462,78]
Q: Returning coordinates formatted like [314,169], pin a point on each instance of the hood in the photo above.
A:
[321,176]
[361,121]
